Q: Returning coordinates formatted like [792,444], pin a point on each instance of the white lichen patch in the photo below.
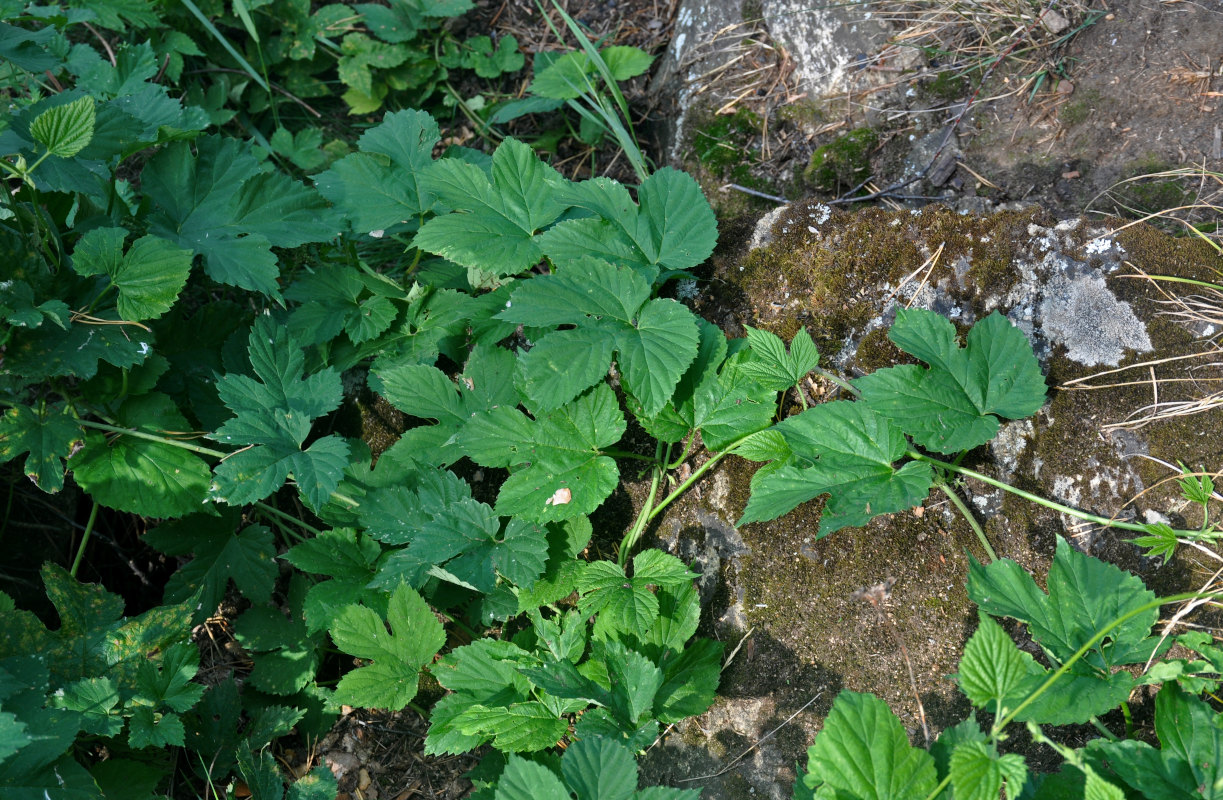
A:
[1084,316]
[1010,443]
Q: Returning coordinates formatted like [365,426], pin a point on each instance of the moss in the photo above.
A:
[804,113]
[948,85]
[722,141]
[843,162]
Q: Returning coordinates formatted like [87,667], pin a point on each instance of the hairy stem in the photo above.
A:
[634,533]
[80,550]
[276,512]
[696,476]
[1035,498]
[968,517]
[152,437]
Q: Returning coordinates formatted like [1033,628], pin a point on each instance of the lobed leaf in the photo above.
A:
[380,186]
[1085,595]
[494,222]
[846,450]
[955,404]
[48,437]
[415,637]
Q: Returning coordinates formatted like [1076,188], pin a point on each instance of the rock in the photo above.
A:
[826,46]
[1072,288]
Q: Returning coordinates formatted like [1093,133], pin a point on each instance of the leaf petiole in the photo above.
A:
[195,448]
[968,517]
[1047,503]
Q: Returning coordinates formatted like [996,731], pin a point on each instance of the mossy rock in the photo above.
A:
[842,163]
[1071,289]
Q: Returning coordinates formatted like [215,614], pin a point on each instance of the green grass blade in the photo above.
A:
[220,37]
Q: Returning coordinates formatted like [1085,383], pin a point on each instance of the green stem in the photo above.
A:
[802,398]
[625,454]
[695,476]
[1035,498]
[1092,642]
[1129,719]
[634,533]
[967,514]
[80,551]
[276,512]
[682,456]
[1098,637]
[838,380]
[195,448]
[1105,732]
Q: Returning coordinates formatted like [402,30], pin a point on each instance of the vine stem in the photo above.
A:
[1035,498]
[1098,637]
[80,551]
[634,533]
[195,448]
[276,512]
[967,514]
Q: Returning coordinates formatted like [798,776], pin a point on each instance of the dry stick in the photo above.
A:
[951,129]
[877,597]
[759,742]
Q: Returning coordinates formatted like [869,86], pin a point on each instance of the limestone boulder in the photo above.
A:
[1126,356]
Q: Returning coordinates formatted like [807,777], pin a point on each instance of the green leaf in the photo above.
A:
[672,228]
[285,656]
[550,376]
[566,78]
[1187,766]
[863,752]
[13,735]
[626,62]
[317,784]
[248,556]
[560,473]
[149,276]
[168,681]
[427,393]
[1160,541]
[775,369]
[526,780]
[626,604]
[218,203]
[261,776]
[143,476]
[339,553]
[150,728]
[847,450]
[65,130]
[517,728]
[274,414]
[493,225]
[415,637]
[48,352]
[96,700]
[468,539]
[338,297]
[1085,595]
[380,186]
[599,769]
[955,404]
[656,339]
[48,436]
[491,61]
[992,667]
[978,772]
[691,681]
